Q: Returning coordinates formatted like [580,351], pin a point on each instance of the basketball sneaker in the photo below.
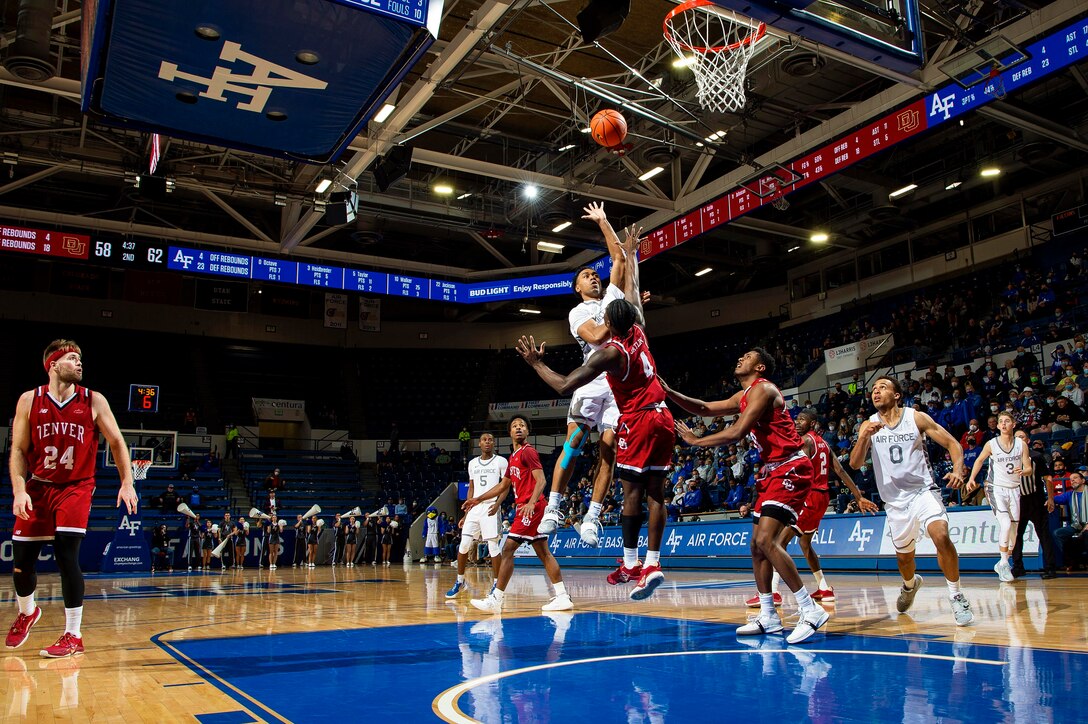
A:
[651,578]
[624,574]
[961,610]
[19,630]
[1003,571]
[559,603]
[906,595]
[67,645]
[824,595]
[550,521]
[809,624]
[590,532]
[488,605]
[753,602]
[761,625]
[457,588]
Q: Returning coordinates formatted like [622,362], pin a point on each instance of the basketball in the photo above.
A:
[608,128]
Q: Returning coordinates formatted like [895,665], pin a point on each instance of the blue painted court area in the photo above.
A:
[634,669]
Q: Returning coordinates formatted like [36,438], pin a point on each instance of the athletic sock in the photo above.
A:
[909,585]
[554,498]
[594,511]
[1005,557]
[26,604]
[560,589]
[775,580]
[630,557]
[804,601]
[500,595]
[73,617]
[460,577]
[653,558]
[953,588]
[821,582]
[766,605]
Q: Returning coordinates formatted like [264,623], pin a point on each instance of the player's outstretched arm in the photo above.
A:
[759,401]
[1026,467]
[976,468]
[595,213]
[107,425]
[605,359]
[695,406]
[939,435]
[498,493]
[17,461]
[864,504]
[631,289]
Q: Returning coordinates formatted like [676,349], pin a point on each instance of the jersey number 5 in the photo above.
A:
[67,458]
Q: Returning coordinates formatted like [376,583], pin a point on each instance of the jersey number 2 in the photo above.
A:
[67,458]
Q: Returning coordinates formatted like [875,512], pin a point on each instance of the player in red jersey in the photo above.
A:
[54,444]
[808,520]
[525,473]
[645,437]
[781,485]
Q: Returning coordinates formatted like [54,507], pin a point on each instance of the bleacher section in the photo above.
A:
[310,478]
[417,478]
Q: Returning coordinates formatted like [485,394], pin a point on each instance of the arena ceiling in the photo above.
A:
[490,106]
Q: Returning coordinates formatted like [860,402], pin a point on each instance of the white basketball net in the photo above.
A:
[718,44]
[140,468]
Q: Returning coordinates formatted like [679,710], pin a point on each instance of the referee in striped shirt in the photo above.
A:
[1036,502]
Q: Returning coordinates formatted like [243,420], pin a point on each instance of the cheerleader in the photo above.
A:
[350,539]
[386,538]
[241,531]
[207,543]
[275,538]
[298,558]
[367,542]
[312,531]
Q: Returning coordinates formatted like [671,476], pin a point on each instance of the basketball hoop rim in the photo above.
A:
[749,39]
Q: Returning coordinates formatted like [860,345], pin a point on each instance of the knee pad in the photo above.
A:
[24,554]
[66,550]
[466,545]
[572,451]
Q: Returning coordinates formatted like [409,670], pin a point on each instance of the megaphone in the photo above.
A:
[254,513]
[354,511]
[320,521]
[218,550]
[312,512]
[186,510]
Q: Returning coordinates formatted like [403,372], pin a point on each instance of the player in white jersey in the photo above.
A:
[484,473]
[1009,460]
[912,499]
[592,405]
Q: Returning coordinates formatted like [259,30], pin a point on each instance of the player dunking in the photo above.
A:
[592,405]
[55,443]
[645,424]
[808,520]
[525,474]
[782,485]
[1011,460]
[911,497]
[484,473]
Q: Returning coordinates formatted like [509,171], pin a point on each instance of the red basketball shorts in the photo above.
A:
[781,488]
[815,506]
[57,508]
[526,528]
[645,440]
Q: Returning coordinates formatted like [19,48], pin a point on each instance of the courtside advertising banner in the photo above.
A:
[129,550]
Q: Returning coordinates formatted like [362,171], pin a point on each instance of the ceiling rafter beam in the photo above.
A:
[490,249]
[32,178]
[235,214]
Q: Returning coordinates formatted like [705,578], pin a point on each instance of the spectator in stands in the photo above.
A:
[162,556]
[971,432]
[232,441]
[693,497]
[443,458]
[1059,477]
[745,511]
[170,499]
[210,463]
[1010,375]
[274,481]
[400,509]
[1067,416]
[672,510]
[736,496]
[1072,536]
[432,451]
[271,504]
[347,452]
[189,423]
[465,439]
[394,439]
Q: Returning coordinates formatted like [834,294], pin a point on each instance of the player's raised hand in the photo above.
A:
[528,350]
[685,433]
[595,212]
[127,494]
[631,239]
[955,479]
[22,506]
[645,298]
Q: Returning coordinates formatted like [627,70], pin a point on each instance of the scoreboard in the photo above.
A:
[143,398]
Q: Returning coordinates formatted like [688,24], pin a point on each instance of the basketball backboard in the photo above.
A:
[158,446]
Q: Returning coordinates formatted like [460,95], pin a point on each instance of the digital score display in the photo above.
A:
[124,253]
[60,244]
[143,398]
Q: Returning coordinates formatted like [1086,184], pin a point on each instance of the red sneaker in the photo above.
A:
[824,595]
[67,645]
[625,575]
[19,630]
[651,578]
[753,602]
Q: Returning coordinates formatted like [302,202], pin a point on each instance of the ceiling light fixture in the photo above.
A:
[530,191]
[587,129]
[527,310]
[989,171]
[953,185]
[819,237]
[651,173]
[683,61]
[703,272]
[900,192]
[323,185]
[384,113]
[443,189]
[568,147]
[715,137]
[560,227]
[279,200]
[792,249]
[549,246]
[464,196]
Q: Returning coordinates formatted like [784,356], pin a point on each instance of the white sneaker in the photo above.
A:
[590,532]
[1003,571]
[761,625]
[961,610]
[272,567]
[550,521]
[488,605]
[906,595]
[808,625]
[559,603]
